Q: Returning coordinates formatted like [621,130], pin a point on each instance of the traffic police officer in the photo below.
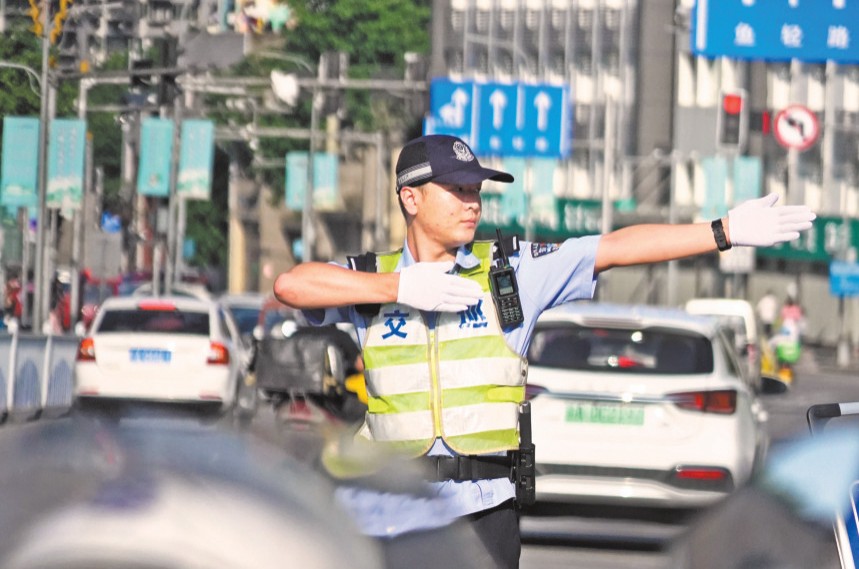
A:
[445,377]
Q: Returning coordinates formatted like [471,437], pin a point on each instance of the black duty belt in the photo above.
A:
[438,468]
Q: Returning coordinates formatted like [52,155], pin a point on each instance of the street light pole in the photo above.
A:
[41,188]
[307,235]
[170,272]
[307,227]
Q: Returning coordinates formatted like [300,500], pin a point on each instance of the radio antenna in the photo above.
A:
[504,260]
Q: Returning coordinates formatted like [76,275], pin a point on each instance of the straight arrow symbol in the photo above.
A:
[543,103]
[498,100]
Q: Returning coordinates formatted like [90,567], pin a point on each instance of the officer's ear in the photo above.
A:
[409,198]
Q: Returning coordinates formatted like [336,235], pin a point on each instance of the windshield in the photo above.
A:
[155,321]
[625,350]
[246,318]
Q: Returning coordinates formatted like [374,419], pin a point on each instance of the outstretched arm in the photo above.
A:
[755,223]
[425,286]
[654,243]
[322,285]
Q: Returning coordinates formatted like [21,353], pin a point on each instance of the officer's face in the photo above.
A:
[448,213]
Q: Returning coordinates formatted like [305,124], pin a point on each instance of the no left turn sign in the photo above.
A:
[796,127]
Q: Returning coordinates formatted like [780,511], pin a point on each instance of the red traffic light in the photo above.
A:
[732,104]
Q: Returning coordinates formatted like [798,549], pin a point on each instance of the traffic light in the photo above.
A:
[59,19]
[732,121]
[140,81]
[168,57]
[35,14]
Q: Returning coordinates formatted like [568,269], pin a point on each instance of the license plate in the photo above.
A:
[605,414]
[149,355]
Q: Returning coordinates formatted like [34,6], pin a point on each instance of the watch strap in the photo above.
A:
[719,235]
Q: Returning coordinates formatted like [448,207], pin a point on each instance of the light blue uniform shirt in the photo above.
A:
[548,274]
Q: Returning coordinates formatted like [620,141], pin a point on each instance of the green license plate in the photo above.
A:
[605,414]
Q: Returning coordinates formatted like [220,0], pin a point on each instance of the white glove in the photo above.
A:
[759,223]
[427,286]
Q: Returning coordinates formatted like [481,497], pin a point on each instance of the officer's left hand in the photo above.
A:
[761,223]
[428,286]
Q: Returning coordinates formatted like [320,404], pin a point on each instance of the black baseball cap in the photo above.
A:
[442,159]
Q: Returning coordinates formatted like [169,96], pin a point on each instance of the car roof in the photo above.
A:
[736,306]
[606,314]
[178,290]
[249,299]
[180,302]
[726,307]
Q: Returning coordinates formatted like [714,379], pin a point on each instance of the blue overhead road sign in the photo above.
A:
[548,120]
[499,114]
[452,109]
[843,278]
[503,119]
[777,30]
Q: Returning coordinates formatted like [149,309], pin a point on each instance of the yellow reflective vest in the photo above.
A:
[458,380]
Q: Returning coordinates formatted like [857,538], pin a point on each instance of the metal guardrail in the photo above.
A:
[36,375]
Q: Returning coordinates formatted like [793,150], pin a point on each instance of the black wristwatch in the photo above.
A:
[719,235]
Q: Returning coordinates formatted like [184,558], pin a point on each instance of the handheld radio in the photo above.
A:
[504,288]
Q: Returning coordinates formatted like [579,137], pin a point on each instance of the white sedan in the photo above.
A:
[639,406]
[167,350]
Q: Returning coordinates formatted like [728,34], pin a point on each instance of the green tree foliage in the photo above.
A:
[375,34]
[20,95]
[207,222]
[106,130]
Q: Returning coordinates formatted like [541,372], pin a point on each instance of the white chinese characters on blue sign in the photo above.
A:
[777,30]
[503,119]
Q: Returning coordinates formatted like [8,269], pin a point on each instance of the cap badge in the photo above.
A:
[462,152]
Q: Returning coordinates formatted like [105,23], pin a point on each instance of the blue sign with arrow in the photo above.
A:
[503,119]
[498,105]
[452,109]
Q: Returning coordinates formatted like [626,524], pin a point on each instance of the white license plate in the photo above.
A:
[149,355]
[604,414]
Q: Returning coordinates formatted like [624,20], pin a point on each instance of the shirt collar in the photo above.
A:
[465,258]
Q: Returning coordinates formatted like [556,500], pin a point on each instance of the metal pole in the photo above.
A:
[794,187]
[307,235]
[24,277]
[181,228]
[671,288]
[170,269]
[379,234]
[237,267]
[77,239]
[41,190]
[80,215]
[608,165]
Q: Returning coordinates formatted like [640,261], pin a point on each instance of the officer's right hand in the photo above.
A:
[427,286]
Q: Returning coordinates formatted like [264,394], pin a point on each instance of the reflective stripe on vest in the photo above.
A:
[459,381]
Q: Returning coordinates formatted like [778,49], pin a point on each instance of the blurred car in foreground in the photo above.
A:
[174,350]
[801,510]
[640,406]
[80,495]
[739,316]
